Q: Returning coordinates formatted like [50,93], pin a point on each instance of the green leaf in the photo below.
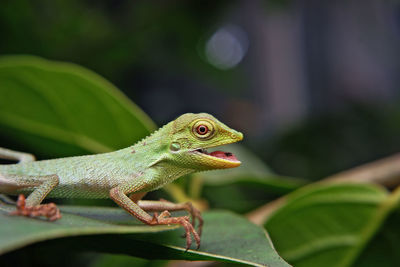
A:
[383,249]
[329,224]
[111,260]
[113,230]
[51,106]
[244,188]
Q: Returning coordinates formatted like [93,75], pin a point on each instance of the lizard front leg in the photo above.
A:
[162,205]
[119,195]
[31,207]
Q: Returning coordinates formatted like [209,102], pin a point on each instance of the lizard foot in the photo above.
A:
[165,219]
[195,214]
[50,211]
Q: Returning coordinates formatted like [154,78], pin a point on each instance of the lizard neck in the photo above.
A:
[155,143]
[146,151]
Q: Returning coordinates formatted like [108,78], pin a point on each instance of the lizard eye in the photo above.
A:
[203,129]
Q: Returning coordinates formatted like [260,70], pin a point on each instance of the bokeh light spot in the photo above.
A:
[226,47]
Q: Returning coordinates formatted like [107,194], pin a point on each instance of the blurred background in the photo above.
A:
[313,85]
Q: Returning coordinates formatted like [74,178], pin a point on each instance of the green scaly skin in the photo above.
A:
[127,174]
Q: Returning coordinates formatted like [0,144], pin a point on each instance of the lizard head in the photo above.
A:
[193,134]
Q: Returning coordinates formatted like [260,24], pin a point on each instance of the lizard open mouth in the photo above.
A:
[219,154]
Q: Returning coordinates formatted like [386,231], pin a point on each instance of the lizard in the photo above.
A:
[126,175]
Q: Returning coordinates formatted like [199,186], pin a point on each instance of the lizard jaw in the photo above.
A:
[218,159]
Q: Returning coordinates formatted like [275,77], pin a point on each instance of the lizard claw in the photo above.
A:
[195,214]
[50,211]
[164,214]
[154,220]
[164,219]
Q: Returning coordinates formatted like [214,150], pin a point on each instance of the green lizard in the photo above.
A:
[176,149]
